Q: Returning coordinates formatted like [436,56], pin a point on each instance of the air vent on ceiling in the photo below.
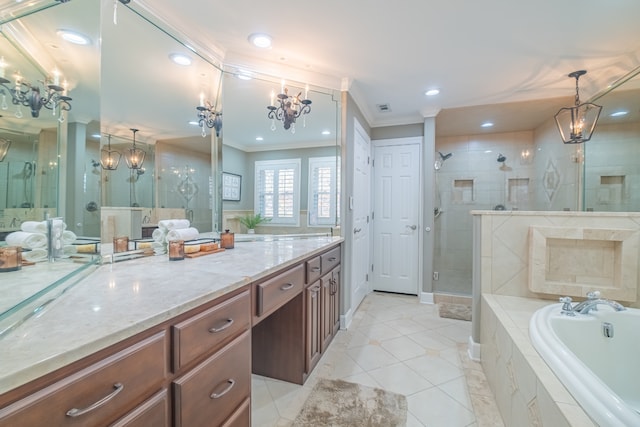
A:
[383,108]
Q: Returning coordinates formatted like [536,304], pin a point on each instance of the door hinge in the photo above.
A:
[372,267]
[373,215]
[369,162]
[367,277]
[367,219]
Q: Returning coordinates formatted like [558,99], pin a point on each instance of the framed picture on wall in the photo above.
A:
[231,184]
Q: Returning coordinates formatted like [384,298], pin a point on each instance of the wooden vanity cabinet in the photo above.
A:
[154,412]
[313,319]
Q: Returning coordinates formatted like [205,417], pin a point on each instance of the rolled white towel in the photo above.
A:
[183,234]
[26,240]
[35,255]
[70,249]
[68,237]
[159,235]
[159,248]
[173,224]
[34,227]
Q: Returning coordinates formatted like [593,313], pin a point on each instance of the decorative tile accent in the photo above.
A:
[534,413]
[551,180]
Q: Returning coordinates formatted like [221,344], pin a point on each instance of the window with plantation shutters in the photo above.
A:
[277,190]
[323,190]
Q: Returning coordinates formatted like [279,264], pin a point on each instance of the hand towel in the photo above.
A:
[34,227]
[183,234]
[173,224]
[35,255]
[68,237]
[159,235]
[26,240]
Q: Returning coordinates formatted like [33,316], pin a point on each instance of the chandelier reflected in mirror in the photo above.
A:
[53,96]
[289,108]
[109,159]
[134,157]
[576,124]
[207,115]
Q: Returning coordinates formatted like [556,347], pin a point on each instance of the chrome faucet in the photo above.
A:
[590,304]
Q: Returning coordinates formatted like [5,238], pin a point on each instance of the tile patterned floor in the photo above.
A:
[400,345]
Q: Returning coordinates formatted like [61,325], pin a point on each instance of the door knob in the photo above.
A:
[356,230]
[413,227]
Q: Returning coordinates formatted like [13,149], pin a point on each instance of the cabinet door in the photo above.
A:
[313,320]
[241,417]
[327,322]
[209,393]
[335,300]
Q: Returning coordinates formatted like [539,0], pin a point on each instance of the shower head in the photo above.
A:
[444,157]
[501,158]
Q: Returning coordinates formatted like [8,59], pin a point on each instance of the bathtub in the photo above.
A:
[602,373]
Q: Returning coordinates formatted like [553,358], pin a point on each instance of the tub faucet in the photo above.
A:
[590,304]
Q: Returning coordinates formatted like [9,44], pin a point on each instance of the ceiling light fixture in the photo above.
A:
[619,114]
[207,115]
[109,159]
[432,92]
[4,147]
[289,108]
[23,93]
[576,124]
[487,125]
[74,37]
[134,156]
[180,59]
[260,40]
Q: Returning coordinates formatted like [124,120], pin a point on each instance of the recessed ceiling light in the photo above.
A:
[244,75]
[619,113]
[487,125]
[260,40]
[326,132]
[259,138]
[96,135]
[432,92]
[74,37]
[192,122]
[180,59]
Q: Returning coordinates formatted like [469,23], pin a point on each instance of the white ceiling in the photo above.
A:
[496,60]
[476,53]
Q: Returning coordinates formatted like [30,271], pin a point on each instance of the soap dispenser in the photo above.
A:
[227,239]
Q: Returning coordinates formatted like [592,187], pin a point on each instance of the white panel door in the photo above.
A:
[361,206]
[396,224]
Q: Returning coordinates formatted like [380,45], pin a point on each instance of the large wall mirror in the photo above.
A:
[290,176]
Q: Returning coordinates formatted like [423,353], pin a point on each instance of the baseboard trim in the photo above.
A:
[345,319]
[426,298]
[473,349]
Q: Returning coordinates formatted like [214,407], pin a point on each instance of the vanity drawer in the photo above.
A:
[154,412]
[211,329]
[98,394]
[209,393]
[330,259]
[275,292]
[313,270]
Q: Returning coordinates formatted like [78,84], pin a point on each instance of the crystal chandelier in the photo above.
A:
[288,110]
[53,96]
[576,124]
[207,115]
[134,156]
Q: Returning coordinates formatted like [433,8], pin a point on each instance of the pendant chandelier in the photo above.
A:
[109,159]
[576,124]
[134,157]
[289,108]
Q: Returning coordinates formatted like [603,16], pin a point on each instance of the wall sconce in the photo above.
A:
[576,124]
[4,147]
[207,115]
[289,108]
[109,159]
[53,98]
[134,156]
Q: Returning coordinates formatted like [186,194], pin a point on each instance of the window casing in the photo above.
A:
[277,190]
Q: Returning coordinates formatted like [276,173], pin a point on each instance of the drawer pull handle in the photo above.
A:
[314,269]
[286,287]
[332,259]
[231,382]
[75,412]
[227,323]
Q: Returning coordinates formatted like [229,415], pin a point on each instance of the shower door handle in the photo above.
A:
[413,227]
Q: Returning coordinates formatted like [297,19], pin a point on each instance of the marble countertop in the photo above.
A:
[119,300]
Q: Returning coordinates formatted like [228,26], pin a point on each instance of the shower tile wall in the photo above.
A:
[473,179]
